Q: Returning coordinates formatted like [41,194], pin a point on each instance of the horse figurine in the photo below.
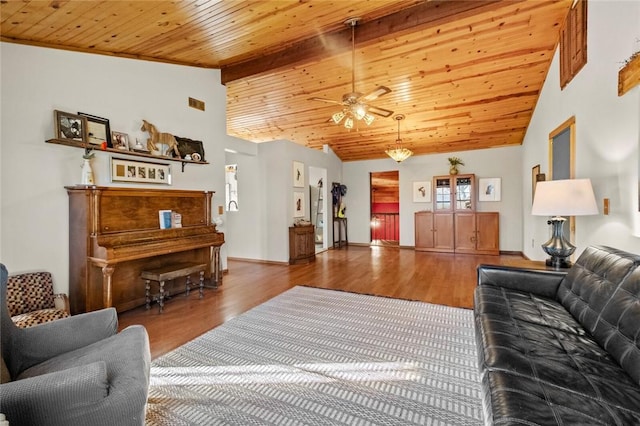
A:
[160,138]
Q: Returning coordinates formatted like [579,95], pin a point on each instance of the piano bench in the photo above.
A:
[168,273]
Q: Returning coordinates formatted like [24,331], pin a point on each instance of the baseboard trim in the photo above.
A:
[246,259]
[513,253]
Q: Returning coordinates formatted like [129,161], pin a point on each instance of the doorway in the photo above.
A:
[385,208]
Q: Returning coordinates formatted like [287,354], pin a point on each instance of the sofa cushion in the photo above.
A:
[602,291]
[527,307]
[617,329]
[514,400]
[30,319]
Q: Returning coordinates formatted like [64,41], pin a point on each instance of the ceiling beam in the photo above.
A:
[427,14]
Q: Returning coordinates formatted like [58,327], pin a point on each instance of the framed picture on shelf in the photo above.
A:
[120,140]
[135,171]
[422,192]
[98,130]
[298,204]
[70,126]
[298,174]
[190,149]
[489,189]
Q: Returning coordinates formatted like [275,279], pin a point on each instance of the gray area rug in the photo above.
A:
[321,357]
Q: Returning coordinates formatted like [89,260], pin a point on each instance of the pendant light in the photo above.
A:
[399,154]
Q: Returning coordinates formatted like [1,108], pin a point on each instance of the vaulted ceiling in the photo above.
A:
[466,74]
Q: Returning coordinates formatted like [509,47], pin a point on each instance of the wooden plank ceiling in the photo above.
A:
[466,74]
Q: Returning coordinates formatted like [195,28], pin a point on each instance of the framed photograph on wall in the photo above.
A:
[98,130]
[298,204]
[70,126]
[298,174]
[422,192]
[134,171]
[489,189]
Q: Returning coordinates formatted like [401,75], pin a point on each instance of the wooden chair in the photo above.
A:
[31,300]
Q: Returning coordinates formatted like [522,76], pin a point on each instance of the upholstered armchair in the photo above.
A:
[31,300]
[73,371]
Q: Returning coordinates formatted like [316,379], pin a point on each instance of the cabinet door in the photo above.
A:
[424,230]
[443,232]
[465,231]
[488,232]
[464,193]
[442,194]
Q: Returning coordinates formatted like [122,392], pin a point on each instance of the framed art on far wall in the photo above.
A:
[422,192]
[489,189]
[298,174]
[134,171]
[298,204]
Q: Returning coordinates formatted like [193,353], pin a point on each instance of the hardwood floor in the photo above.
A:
[447,279]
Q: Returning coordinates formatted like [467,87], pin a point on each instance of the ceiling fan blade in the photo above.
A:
[330,101]
[379,91]
[380,111]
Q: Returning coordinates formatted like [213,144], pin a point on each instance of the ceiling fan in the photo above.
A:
[356,105]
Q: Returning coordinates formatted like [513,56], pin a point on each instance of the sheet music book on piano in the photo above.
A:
[165,219]
[176,220]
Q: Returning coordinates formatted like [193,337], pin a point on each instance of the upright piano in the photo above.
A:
[114,234]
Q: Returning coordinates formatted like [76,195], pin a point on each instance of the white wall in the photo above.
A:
[35,82]
[607,132]
[504,163]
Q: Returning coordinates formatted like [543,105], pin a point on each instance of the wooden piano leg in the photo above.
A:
[201,284]
[107,296]
[216,272]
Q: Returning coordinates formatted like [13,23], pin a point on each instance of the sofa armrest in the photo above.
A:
[61,302]
[51,398]
[44,341]
[536,281]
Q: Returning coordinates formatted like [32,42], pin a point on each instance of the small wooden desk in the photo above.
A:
[171,272]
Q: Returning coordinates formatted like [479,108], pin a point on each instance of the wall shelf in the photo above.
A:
[83,145]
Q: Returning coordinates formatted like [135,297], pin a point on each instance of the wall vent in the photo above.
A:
[197,104]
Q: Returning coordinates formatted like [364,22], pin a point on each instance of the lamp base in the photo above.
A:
[558,263]
[557,247]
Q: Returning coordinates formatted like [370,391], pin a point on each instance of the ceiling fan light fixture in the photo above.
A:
[348,123]
[337,117]
[399,154]
[368,119]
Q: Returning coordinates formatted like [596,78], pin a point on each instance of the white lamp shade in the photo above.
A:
[567,197]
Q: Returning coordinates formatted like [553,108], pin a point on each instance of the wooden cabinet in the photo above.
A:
[434,232]
[302,248]
[454,225]
[477,232]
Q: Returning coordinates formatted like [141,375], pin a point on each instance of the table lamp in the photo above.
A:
[557,198]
